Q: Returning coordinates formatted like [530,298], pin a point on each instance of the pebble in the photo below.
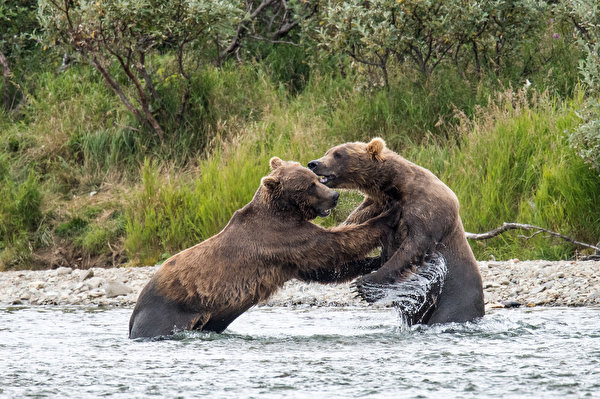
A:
[530,283]
[114,288]
[511,304]
[95,282]
[61,271]
[36,285]
[86,274]
[96,293]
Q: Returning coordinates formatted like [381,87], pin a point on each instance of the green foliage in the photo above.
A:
[427,33]
[586,19]
[20,215]
[72,227]
[64,109]
[92,135]
[97,238]
[507,158]
[514,164]
[18,24]
[586,137]
[129,34]
[93,229]
[511,27]
[409,113]
[373,32]
[288,66]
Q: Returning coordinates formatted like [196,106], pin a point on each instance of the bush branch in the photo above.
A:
[242,29]
[519,226]
[6,75]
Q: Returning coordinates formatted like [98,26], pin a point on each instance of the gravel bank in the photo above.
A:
[530,283]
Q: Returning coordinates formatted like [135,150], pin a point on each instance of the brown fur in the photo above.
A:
[267,242]
[430,220]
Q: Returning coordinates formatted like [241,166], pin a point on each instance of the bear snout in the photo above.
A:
[320,169]
[335,198]
[312,165]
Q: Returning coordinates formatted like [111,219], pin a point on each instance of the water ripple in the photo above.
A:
[302,353]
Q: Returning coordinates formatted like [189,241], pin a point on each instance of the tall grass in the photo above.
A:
[513,163]
[510,163]
[507,161]
[20,215]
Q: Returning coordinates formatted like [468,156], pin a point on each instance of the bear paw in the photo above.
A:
[368,291]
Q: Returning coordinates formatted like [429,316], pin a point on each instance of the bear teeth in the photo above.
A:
[323,179]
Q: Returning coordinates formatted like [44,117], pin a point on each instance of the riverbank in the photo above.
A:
[529,283]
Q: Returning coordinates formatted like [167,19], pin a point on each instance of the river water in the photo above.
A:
[302,352]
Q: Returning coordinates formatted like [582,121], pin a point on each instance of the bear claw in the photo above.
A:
[368,292]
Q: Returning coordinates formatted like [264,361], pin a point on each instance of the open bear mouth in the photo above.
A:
[324,213]
[326,179]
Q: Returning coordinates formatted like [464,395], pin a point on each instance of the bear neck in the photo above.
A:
[391,178]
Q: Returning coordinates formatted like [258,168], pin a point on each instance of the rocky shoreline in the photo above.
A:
[506,283]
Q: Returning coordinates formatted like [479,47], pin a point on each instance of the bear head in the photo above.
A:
[350,165]
[290,187]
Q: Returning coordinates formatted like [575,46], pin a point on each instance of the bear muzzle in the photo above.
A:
[318,167]
[326,211]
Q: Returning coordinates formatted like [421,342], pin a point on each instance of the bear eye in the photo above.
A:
[337,155]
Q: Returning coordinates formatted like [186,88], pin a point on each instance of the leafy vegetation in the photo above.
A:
[586,137]
[17,27]
[143,126]
[513,162]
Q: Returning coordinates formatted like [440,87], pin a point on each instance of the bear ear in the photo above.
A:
[275,163]
[375,149]
[270,182]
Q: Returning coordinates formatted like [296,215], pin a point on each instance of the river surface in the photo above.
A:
[302,352]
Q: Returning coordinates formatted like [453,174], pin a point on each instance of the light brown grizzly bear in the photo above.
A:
[430,224]
[267,242]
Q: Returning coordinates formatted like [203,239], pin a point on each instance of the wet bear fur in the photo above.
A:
[430,223]
[266,243]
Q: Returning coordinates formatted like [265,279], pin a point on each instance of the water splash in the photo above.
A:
[416,296]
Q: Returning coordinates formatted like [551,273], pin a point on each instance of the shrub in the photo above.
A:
[20,215]
[129,35]
[18,23]
[427,33]
[586,18]
[513,163]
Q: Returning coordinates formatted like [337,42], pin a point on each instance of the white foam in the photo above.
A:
[415,296]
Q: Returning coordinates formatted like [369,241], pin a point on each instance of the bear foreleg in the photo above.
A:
[365,211]
[345,272]
[411,251]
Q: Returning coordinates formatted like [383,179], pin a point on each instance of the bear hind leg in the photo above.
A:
[199,321]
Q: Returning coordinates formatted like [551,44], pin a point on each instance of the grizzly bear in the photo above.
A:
[430,229]
[267,242]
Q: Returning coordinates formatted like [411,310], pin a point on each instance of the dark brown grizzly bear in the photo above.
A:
[267,242]
[430,224]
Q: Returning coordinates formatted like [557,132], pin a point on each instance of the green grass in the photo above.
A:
[513,163]
[20,216]
[509,161]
